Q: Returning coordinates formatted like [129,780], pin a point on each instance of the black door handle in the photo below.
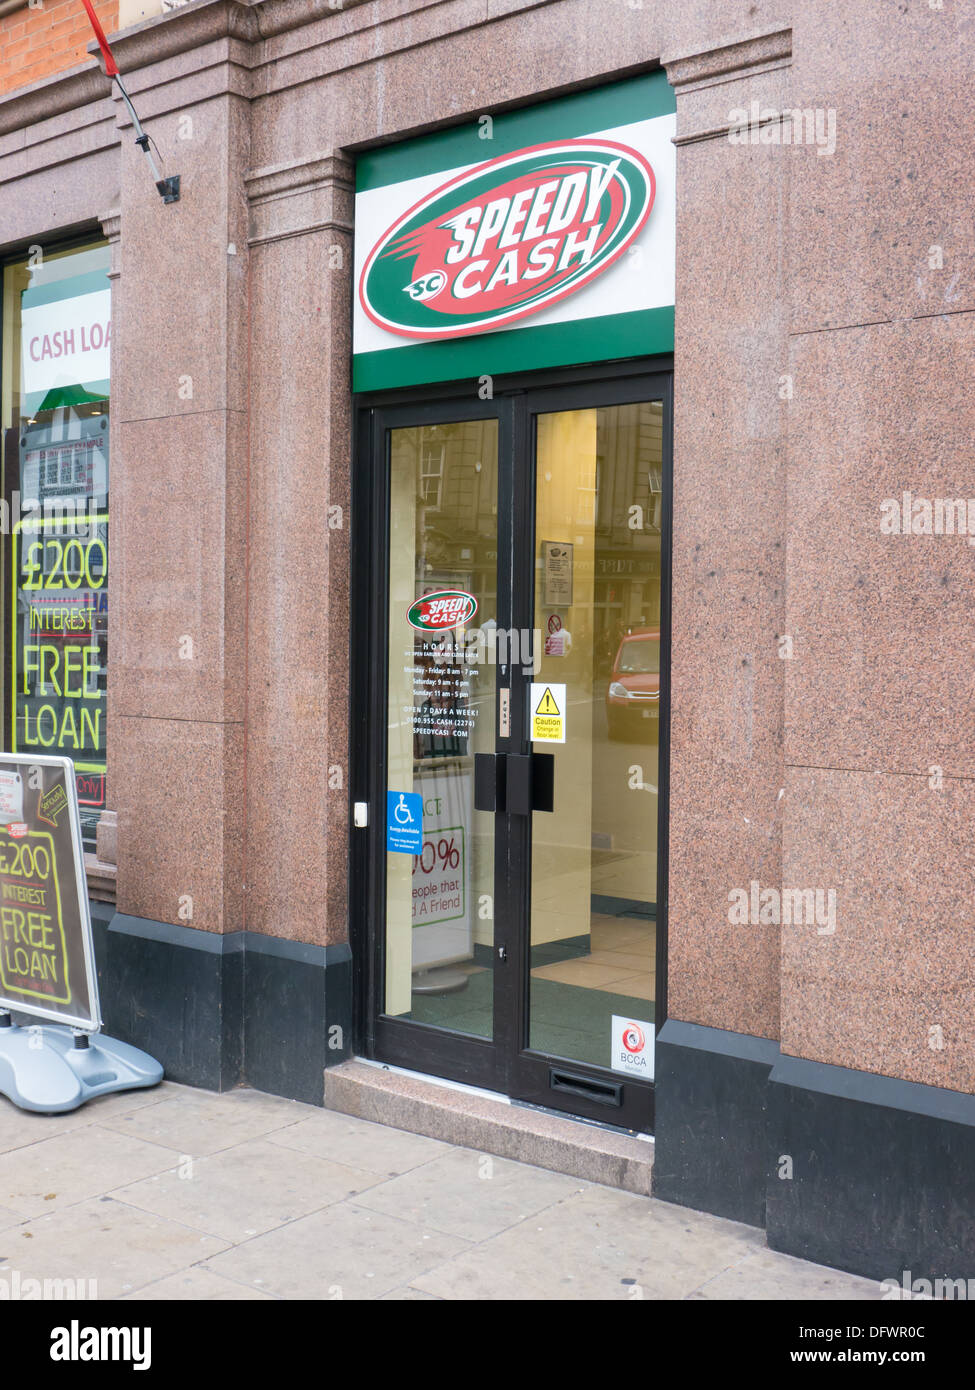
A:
[515,782]
[530,783]
[488,782]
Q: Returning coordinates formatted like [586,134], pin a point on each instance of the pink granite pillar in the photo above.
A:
[729,556]
[179,487]
[879,795]
[298,571]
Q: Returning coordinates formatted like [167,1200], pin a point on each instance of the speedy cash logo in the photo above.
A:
[439,612]
[507,238]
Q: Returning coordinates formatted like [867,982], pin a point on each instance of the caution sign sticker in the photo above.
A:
[547,713]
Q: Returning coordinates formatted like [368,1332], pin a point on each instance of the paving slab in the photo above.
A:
[246,1190]
[768,1275]
[58,1172]
[10,1218]
[344,1251]
[200,1122]
[360,1143]
[19,1128]
[469,1194]
[197,1285]
[117,1246]
[596,1244]
[408,1294]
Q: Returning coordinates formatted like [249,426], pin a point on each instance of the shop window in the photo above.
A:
[54,409]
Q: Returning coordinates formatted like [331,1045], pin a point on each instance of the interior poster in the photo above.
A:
[442,922]
[46,955]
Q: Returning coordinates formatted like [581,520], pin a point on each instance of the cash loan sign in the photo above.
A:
[507,238]
[60,574]
[46,956]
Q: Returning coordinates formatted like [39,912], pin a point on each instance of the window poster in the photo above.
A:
[59,588]
[444,716]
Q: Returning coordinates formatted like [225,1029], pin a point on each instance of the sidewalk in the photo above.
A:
[176,1193]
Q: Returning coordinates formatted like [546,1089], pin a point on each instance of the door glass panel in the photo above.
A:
[594,859]
[443,545]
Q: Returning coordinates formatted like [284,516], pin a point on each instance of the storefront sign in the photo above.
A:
[507,238]
[547,713]
[46,953]
[542,238]
[65,342]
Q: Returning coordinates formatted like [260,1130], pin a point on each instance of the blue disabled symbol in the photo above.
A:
[404,822]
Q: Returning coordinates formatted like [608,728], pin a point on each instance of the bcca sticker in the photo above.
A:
[632,1048]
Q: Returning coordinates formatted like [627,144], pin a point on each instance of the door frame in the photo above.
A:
[486,1063]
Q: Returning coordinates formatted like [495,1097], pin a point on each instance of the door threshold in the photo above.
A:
[435,1080]
[502,1099]
[490,1123]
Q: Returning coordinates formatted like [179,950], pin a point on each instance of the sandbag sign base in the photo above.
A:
[51,1068]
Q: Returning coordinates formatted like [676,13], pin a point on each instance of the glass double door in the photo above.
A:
[511,689]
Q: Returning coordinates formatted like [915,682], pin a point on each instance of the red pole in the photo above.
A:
[111,67]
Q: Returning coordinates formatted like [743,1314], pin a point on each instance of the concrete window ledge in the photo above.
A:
[480,1122]
[101,879]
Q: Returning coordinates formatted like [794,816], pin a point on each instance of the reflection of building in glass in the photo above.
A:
[456,516]
[629,463]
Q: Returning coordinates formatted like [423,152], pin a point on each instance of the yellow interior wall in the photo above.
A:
[561,840]
[402,585]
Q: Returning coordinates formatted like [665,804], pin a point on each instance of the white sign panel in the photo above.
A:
[562,244]
[632,1047]
[66,342]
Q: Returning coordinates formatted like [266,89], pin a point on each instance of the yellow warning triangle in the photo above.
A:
[546,704]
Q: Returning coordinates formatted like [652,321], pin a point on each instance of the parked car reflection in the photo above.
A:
[633,696]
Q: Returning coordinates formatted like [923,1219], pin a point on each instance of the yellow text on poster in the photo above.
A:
[33,950]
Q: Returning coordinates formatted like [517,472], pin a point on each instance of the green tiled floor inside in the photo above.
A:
[567,1020]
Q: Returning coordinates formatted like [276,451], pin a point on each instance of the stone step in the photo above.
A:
[476,1120]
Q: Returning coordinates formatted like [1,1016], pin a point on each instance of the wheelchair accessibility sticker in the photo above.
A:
[404,822]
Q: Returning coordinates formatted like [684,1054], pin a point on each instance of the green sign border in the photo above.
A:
[564,118]
[644,333]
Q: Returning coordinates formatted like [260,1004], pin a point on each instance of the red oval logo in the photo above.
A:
[439,612]
[507,238]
